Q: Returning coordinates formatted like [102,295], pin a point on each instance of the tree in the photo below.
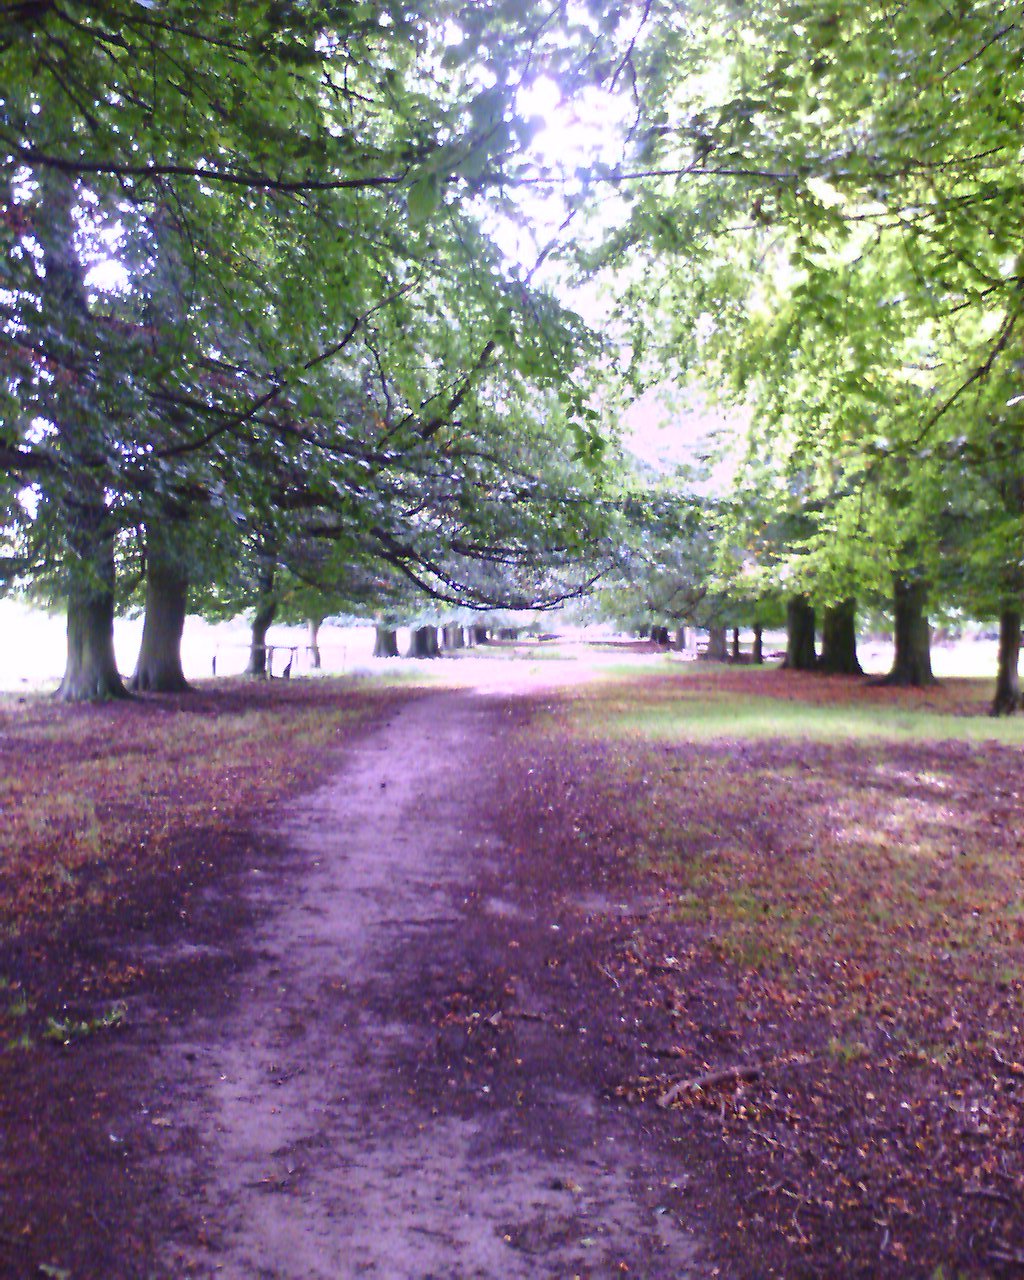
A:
[63,404]
[158,668]
[834,218]
[801,653]
[839,640]
[223,159]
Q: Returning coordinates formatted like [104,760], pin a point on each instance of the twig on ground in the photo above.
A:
[1014,1068]
[99,1222]
[1006,1255]
[416,922]
[437,1235]
[727,1075]
[288,1075]
[988,1193]
[274,1181]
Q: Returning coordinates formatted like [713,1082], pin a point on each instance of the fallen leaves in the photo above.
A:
[859,903]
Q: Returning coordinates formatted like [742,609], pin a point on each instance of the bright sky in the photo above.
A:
[576,135]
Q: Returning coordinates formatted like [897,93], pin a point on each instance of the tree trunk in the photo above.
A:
[313,642]
[839,640]
[90,674]
[453,636]
[1008,695]
[158,669]
[480,634]
[264,616]
[735,644]
[679,639]
[912,661]
[659,635]
[718,645]
[385,643]
[800,652]
[758,654]
[424,643]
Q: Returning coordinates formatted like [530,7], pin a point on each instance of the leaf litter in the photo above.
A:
[832,982]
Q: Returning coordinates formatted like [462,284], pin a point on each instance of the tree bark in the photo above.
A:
[679,639]
[313,642]
[839,640]
[159,669]
[800,651]
[424,643]
[90,674]
[718,645]
[758,644]
[385,642]
[453,636]
[1007,699]
[264,616]
[659,635]
[735,644]
[912,661]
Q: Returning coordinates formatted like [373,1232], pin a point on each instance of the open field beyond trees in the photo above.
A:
[789,910]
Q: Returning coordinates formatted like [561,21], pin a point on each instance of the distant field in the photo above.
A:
[32,644]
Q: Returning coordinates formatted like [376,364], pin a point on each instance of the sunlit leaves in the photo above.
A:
[833,205]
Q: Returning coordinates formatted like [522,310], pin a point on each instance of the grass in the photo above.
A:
[841,869]
[696,706]
[66,1031]
[112,817]
[91,797]
[858,856]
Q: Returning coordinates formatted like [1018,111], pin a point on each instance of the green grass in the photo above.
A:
[699,717]
[96,798]
[631,670]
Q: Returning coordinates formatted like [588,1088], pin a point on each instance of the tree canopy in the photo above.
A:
[825,224]
[255,319]
[309,343]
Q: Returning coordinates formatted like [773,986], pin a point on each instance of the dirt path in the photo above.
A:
[391,1088]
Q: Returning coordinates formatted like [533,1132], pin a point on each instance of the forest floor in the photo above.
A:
[697,971]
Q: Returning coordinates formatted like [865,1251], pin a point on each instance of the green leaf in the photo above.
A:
[487,107]
[423,200]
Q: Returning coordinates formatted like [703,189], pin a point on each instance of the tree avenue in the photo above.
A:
[826,224]
[307,335]
[260,349]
